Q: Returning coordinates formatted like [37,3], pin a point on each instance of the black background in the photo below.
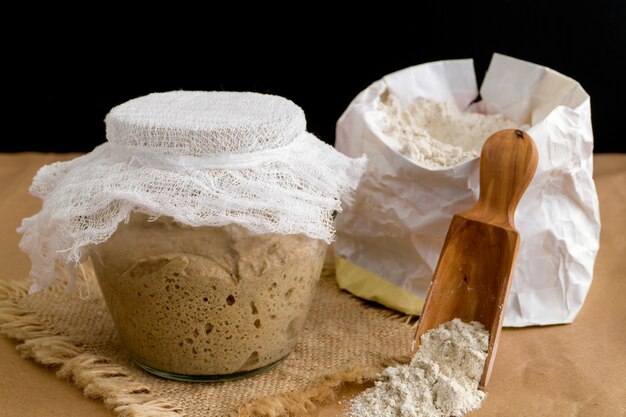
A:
[74,70]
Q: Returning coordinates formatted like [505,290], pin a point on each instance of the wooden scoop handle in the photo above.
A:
[507,164]
[473,274]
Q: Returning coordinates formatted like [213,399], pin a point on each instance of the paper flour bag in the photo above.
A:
[389,240]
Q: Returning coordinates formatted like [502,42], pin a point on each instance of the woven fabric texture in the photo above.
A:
[344,340]
[202,158]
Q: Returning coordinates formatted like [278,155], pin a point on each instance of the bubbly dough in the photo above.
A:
[206,300]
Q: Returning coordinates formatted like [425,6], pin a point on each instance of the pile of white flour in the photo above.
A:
[441,380]
[437,135]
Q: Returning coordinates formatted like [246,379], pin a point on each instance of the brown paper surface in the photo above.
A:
[568,370]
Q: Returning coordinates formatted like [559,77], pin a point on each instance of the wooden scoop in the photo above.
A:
[473,275]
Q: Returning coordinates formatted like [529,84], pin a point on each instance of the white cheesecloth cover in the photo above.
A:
[202,158]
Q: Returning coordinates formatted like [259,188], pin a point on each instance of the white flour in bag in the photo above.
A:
[441,380]
[437,135]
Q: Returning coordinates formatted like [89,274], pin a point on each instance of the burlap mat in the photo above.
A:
[344,340]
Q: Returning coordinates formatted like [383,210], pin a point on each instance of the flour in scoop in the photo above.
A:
[441,380]
[437,135]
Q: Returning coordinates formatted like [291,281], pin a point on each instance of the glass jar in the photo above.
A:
[206,216]
[206,303]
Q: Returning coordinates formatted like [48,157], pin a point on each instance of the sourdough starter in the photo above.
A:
[205,300]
